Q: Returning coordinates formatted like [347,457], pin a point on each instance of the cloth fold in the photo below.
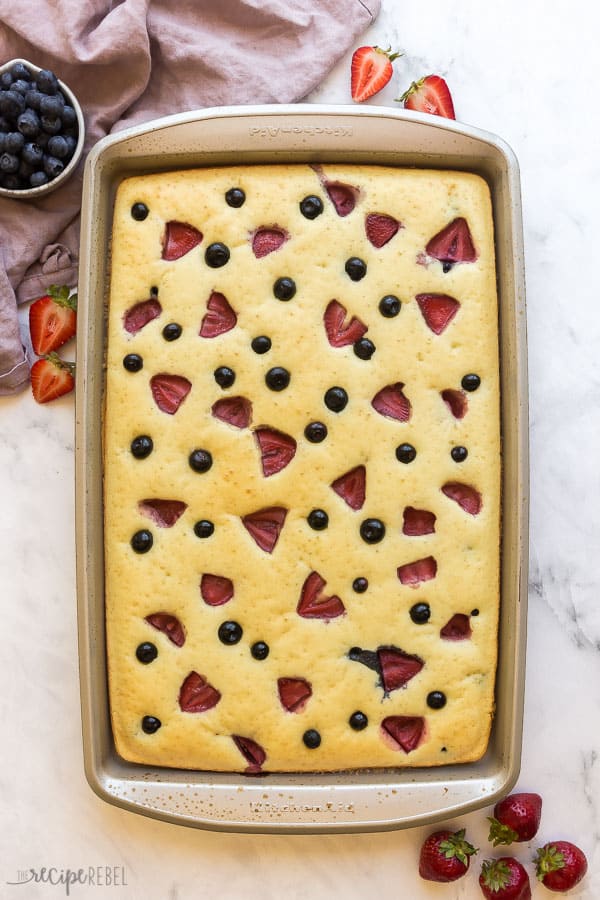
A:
[132,61]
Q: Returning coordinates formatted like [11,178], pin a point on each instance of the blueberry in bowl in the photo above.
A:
[41,131]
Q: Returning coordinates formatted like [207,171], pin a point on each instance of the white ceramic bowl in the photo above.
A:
[35,193]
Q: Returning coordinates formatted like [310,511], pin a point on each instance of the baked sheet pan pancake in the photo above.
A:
[365,800]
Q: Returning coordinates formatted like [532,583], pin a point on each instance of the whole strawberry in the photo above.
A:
[445,856]
[560,865]
[516,818]
[504,879]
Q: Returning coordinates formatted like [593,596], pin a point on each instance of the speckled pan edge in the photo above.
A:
[362,801]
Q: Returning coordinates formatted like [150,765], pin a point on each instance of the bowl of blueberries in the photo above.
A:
[41,131]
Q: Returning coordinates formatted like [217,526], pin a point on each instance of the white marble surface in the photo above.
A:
[528,72]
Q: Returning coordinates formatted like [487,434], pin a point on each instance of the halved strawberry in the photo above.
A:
[267,239]
[294,693]
[430,95]
[370,71]
[391,402]
[52,319]
[235,411]
[418,522]
[252,752]
[169,391]
[406,732]
[341,333]
[438,310]
[456,401]
[415,572]
[457,628]
[381,228]
[216,589]
[397,667]
[467,497]
[219,317]
[351,487]
[453,244]
[138,316]
[169,625]
[179,238]
[313,605]
[51,377]
[196,695]
[343,196]
[164,512]
[277,450]
[265,525]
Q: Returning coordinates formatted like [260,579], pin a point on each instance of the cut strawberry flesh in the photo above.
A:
[415,572]
[265,525]
[219,317]
[179,238]
[51,324]
[343,197]
[456,401]
[351,487]
[163,512]
[380,228]
[169,391]
[169,625]
[51,378]
[252,752]
[458,628]
[312,603]
[235,411]
[397,667]
[370,70]
[196,695]
[406,731]
[139,315]
[467,497]
[438,310]
[453,243]
[430,95]
[340,333]
[418,522]
[294,693]
[277,450]
[215,589]
[391,402]
[266,240]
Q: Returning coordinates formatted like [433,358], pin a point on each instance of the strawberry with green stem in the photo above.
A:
[51,377]
[516,818]
[445,856]
[560,865]
[430,95]
[52,319]
[370,71]
[504,879]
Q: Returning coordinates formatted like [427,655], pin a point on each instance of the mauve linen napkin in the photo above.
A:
[134,60]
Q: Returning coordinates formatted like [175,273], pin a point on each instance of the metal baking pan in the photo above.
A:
[365,800]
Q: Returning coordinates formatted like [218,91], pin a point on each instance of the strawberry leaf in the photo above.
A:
[500,833]
[455,846]
[548,859]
